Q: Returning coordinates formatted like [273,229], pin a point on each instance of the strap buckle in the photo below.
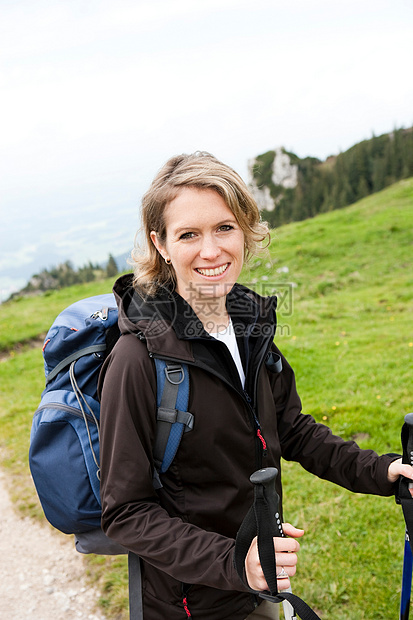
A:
[172,369]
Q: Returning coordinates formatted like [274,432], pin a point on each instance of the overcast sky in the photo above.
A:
[96,95]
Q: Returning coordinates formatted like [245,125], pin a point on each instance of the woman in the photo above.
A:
[184,303]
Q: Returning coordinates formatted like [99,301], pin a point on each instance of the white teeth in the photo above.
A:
[213,272]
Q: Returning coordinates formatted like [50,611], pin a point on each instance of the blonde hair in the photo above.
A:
[202,171]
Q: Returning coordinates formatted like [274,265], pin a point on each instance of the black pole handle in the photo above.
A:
[264,520]
[407,439]
[268,520]
[267,477]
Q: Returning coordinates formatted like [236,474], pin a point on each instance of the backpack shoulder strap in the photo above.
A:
[173,417]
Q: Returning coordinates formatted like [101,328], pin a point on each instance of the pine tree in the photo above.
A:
[111,267]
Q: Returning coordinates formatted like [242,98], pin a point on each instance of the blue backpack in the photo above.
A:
[64,442]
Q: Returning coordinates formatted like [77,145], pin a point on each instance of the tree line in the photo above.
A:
[365,168]
[65,274]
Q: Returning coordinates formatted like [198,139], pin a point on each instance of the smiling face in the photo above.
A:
[205,244]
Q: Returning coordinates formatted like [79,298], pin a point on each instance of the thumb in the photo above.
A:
[397,468]
[290,530]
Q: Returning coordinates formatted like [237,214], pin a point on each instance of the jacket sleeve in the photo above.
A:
[131,513]
[320,452]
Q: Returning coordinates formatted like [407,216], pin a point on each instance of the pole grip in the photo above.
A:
[407,439]
[267,477]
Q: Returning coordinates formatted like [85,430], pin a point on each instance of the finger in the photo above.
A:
[285,572]
[283,576]
[290,530]
[284,585]
[286,559]
[286,545]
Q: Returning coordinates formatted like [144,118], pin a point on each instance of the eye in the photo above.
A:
[226,227]
[187,235]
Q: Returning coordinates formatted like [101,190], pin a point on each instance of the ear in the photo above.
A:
[161,249]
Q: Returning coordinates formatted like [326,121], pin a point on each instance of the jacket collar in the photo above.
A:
[171,328]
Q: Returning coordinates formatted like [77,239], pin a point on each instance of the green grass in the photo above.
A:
[346,330]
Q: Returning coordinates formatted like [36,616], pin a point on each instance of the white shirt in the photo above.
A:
[227,336]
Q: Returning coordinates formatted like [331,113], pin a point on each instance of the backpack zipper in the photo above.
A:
[68,409]
[102,314]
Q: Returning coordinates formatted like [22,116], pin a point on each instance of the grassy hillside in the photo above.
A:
[349,338]
[345,286]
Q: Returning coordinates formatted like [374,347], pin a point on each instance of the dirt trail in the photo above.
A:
[41,575]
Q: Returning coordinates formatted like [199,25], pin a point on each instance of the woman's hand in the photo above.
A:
[396,469]
[285,558]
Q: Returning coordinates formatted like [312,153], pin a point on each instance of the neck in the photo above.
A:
[212,313]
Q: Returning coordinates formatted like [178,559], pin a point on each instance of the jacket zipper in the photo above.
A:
[261,444]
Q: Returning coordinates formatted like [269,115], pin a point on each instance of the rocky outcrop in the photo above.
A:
[284,175]
[262,196]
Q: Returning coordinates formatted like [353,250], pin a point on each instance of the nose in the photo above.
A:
[210,248]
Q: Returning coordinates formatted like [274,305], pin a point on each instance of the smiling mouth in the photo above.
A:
[213,272]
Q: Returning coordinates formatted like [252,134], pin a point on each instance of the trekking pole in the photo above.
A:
[267,478]
[406,500]
[406,580]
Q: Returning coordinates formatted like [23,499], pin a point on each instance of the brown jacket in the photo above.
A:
[185,532]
